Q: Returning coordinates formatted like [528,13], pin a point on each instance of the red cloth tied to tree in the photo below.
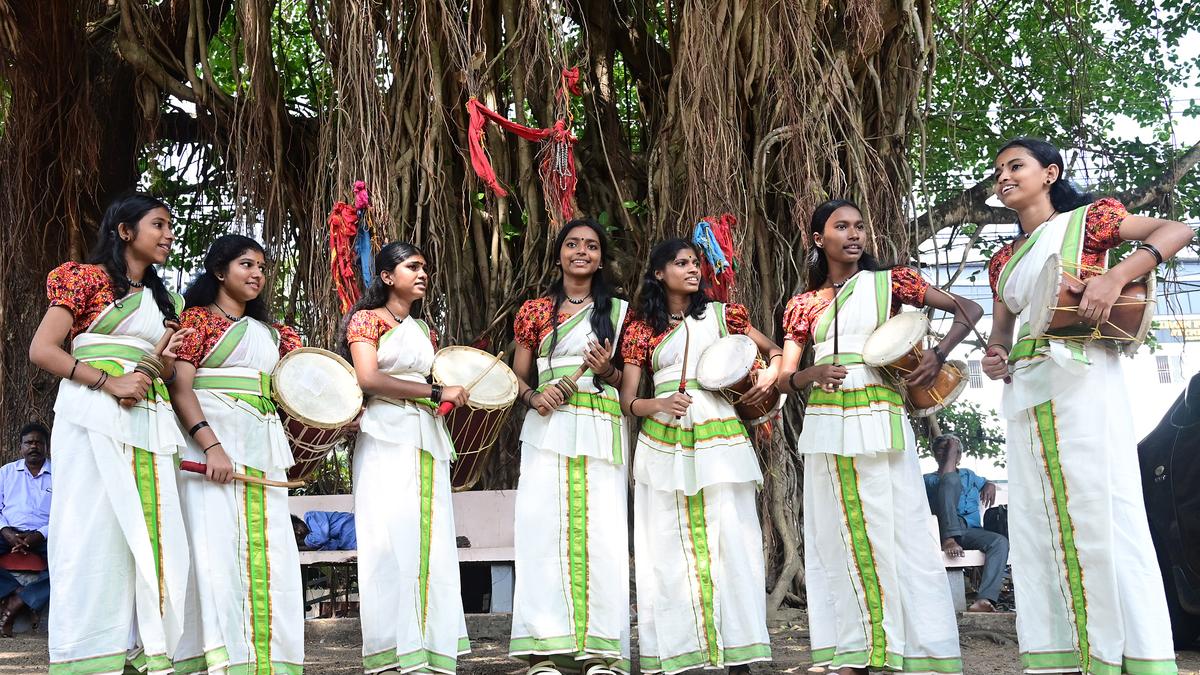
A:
[556,160]
[714,236]
[343,227]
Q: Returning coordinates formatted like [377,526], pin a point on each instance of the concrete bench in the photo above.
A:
[955,566]
[483,524]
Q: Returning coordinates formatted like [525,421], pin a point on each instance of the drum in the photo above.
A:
[896,347]
[726,366]
[317,394]
[1054,308]
[474,428]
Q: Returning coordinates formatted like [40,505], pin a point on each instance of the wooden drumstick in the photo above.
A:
[445,407]
[197,467]
[687,343]
[978,335]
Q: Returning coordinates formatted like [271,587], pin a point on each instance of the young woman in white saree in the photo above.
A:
[571,601]
[245,610]
[119,555]
[410,603]
[701,586]
[1089,594]
[878,597]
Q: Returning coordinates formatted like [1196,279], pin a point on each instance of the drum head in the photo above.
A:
[460,366]
[1045,296]
[726,362]
[895,338]
[317,387]
[1130,348]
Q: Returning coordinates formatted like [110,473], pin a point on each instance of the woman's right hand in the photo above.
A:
[220,468]
[129,388]
[675,405]
[456,395]
[995,363]
[829,376]
[548,400]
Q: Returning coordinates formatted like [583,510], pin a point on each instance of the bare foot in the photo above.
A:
[982,605]
[952,548]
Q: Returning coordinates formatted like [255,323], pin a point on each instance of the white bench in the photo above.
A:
[484,518]
[955,566]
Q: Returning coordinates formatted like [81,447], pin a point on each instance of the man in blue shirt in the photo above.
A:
[954,497]
[25,521]
[325,531]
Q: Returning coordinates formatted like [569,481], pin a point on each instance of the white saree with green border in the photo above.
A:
[571,600]
[119,555]
[245,609]
[878,596]
[701,578]
[1089,593]
[410,603]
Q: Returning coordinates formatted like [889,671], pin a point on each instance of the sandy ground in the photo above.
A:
[989,648]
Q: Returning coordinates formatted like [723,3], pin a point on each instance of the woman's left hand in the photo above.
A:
[927,371]
[598,357]
[764,385]
[170,352]
[1099,295]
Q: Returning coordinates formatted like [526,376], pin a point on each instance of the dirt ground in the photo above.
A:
[333,648]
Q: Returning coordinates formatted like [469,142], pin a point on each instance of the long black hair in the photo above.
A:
[110,249]
[818,264]
[653,301]
[1064,196]
[602,289]
[223,251]
[377,293]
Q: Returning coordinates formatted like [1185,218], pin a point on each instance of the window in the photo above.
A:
[975,374]
[1170,369]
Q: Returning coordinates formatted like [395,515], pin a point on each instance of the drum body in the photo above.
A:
[317,394]
[897,347]
[727,366]
[475,427]
[1054,312]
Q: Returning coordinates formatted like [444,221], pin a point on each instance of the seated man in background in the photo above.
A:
[325,531]
[25,521]
[954,497]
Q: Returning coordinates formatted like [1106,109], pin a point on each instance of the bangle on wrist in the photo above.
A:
[773,357]
[1152,250]
[100,381]
[435,393]
[792,381]
[941,357]
[631,404]
[997,344]
[197,427]
[205,451]
[72,375]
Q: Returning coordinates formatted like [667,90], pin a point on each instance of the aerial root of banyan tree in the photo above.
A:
[759,108]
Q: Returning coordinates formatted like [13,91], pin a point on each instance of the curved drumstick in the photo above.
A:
[148,370]
[445,407]
[978,335]
[687,343]
[197,467]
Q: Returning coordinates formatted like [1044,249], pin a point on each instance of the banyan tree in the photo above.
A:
[258,115]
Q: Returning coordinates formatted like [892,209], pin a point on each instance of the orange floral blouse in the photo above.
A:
[532,323]
[209,326]
[803,310]
[84,290]
[638,338]
[1101,232]
[367,326]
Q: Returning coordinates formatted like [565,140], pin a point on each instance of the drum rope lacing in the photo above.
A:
[1094,333]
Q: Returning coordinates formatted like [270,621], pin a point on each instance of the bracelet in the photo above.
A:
[792,381]
[611,369]
[435,393]
[997,344]
[938,353]
[205,451]
[198,426]
[528,396]
[72,375]
[772,358]
[100,382]
[169,380]
[1144,246]
[635,400]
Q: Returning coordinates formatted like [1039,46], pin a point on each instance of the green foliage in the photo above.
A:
[1081,75]
[979,431]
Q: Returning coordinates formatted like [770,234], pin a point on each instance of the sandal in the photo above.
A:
[546,667]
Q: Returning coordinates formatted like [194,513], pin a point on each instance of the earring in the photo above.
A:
[388,283]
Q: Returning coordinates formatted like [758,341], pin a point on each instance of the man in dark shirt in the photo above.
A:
[954,497]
